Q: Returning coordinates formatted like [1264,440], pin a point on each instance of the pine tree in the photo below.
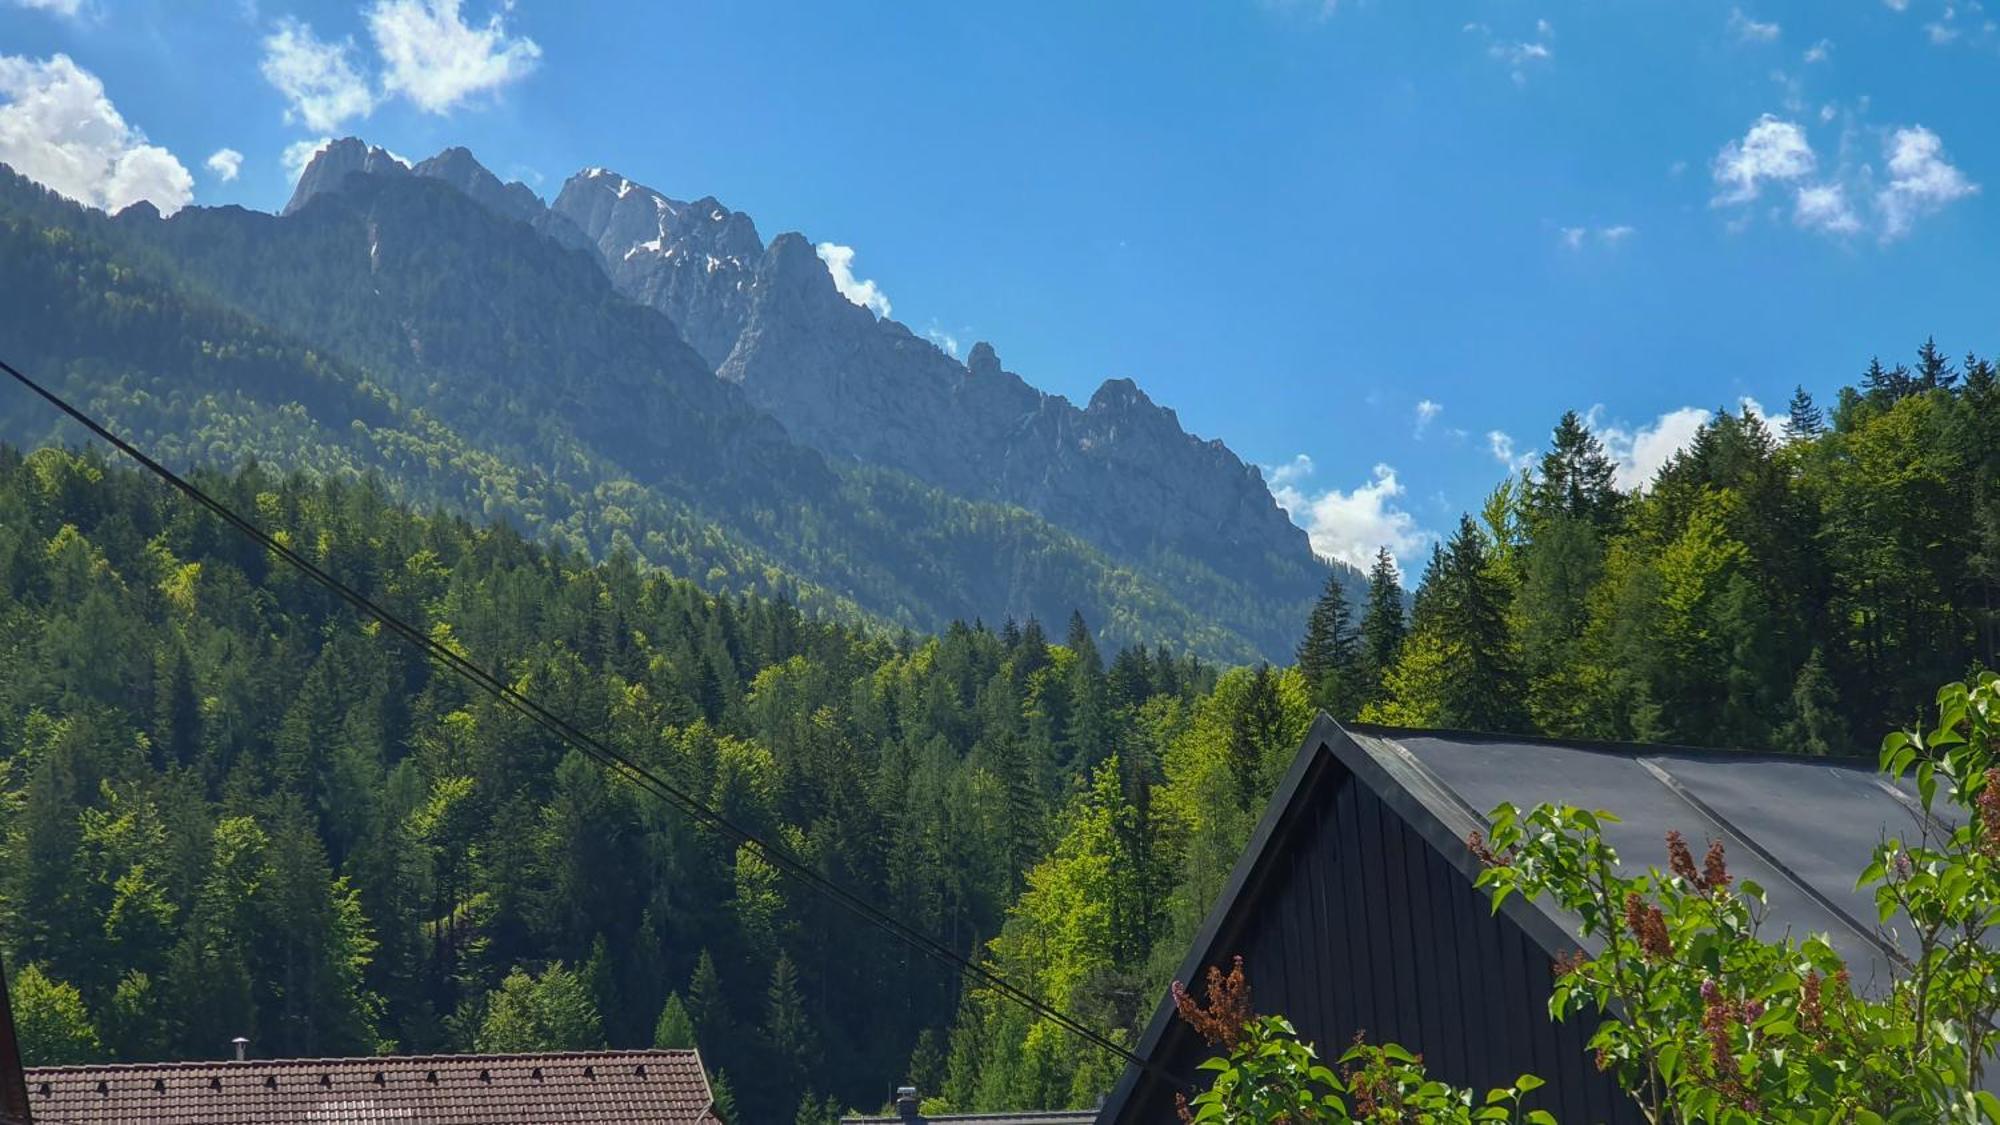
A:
[788,1033]
[1253,729]
[706,1004]
[1805,420]
[1577,478]
[724,1096]
[1382,625]
[1933,369]
[1886,386]
[1485,690]
[1327,653]
[675,1029]
[1815,725]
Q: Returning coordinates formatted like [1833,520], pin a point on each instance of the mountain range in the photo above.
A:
[622,370]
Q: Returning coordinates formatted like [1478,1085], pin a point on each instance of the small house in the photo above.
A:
[1354,907]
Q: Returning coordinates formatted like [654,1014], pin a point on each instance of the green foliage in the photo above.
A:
[1270,1075]
[552,1012]
[50,1019]
[347,341]
[228,807]
[675,1029]
[1758,593]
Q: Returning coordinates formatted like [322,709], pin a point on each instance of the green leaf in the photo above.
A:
[1528,1082]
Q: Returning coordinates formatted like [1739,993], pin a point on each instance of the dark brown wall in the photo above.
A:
[1357,923]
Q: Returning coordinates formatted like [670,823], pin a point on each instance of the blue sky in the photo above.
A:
[1376,246]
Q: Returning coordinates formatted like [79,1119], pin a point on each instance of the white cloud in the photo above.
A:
[59,129]
[437,60]
[225,163]
[1349,526]
[864,292]
[1427,412]
[1823,207]
[317,78]
[1501,444]
[1920,180]
[298,154]
[1897,5]
[59,7]
[943,339]
[1642,451]
[1574,238]
[1519,56]
[1773,149]
[1819,52]
[1747,30]
[1940,33]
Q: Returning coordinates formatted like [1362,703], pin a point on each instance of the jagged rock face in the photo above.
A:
[692,261]
[457,167]
[334,163]
[1120,472]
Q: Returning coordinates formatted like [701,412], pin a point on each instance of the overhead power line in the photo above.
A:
[776,855]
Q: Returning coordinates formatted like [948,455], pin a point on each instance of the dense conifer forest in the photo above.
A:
[228,806]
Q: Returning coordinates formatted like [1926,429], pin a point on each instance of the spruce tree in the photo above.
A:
[1484,690]
[1382,625]
[675,1029]
[1327,653]
[1933,369]
[1804,421]
[1577,478]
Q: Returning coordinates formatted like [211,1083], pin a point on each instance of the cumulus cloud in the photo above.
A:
[59,7]
[1348,525]
[434,58]
[59,129]
[1921,180]
[1642,451]
[1897,5]
[318,79]
[1427,412]
[943,339]
[225,163]
[1501,445]
[298,154]
[862,291]
[1747,30]
[1823,207]
[1773,150]
[1819,52]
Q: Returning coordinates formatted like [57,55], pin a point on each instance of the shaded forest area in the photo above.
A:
[229,808]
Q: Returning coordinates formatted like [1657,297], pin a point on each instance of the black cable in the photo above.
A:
[605,756]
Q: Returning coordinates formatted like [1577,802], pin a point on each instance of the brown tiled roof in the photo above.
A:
[589,1088]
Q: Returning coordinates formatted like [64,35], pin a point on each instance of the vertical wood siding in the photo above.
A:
[1355,923]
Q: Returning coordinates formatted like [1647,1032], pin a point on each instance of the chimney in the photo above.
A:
[242,1048]
[13,1084]
[906,1103]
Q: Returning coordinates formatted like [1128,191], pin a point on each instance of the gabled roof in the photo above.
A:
[1801,827]
[585,1088]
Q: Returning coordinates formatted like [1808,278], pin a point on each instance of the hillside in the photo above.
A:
[468,359]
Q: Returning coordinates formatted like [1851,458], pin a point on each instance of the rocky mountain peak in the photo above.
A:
[331,166]
[983,361]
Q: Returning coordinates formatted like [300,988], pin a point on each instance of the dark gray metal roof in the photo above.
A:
[1029,1117]
[1801,827]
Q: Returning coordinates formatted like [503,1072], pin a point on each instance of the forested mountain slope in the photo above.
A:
[398,327]
[229,808]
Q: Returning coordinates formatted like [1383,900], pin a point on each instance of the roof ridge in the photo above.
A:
[1605,746]
[363,1061]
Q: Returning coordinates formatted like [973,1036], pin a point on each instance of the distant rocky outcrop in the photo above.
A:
[1120,471]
